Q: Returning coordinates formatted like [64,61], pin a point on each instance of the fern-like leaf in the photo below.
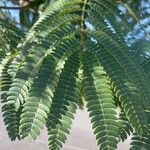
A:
[140,143]
[64,104]
[134,112]
[29,64]
[11,117]
[125,129]
[100,102]
[8,30]
[131,67]
[137,142]
[42,89]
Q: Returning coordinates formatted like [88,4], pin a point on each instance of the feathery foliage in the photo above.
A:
[78,49]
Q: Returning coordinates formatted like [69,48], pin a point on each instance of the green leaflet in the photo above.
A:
[41,93]
[140,143]
[22,83]
[44,45]
[146,67]
[5,77]
[128,63]
[137,142]
[135,113]
[9,30]
[27,62]
[7,53]
[38,103]
[11,117]
[28,70]
[124,127]
[100,103]
[51,19]
[57,26]
[2,55]
[130,102]
[102,9]
[64,104]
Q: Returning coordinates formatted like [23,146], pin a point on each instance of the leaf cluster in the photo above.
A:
[77,52]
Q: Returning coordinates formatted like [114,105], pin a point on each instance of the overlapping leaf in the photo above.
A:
[64,104]
[100,103]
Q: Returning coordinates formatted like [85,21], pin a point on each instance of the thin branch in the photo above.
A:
[6,7]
